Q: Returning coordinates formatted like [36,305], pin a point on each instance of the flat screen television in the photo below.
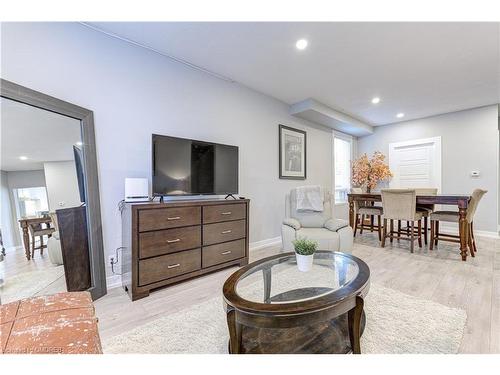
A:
[190,167]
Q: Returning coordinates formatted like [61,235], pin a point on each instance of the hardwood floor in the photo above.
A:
[437,275]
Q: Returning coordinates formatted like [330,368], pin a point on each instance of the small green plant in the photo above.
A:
[303,246]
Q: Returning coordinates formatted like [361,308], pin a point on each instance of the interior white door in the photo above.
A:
[416,163]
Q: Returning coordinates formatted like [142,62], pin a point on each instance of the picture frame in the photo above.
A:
[292,153]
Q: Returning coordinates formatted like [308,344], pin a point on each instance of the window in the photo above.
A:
[342,152]
[31,201]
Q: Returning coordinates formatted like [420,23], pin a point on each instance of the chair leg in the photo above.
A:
[33,239]
[384,234]
[399,229]
[362,222]
[436,233]
[356,224]
[431,245]
[425,229]
[372,219]
[392,231]
[419,229]
[408,228]
[412,236]
[379,219]
[473,238]
[470,241]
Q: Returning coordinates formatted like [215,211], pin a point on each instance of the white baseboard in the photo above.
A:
[115,281]
[264,243]
[453,229]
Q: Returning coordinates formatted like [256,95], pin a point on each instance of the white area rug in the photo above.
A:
[28,284]
[395,323]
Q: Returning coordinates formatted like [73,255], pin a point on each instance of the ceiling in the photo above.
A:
[420,69]
[38,134]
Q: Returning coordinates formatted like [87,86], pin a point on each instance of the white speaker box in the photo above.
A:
[136,190]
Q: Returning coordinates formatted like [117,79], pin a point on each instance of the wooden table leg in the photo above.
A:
[351,212]
[234,331]
[26,241]
[463,233]
[354,322]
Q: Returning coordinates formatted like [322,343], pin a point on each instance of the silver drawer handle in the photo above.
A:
[172,241]
[226,213]
[226,231]
[173,265]
[173,218]
[226,252]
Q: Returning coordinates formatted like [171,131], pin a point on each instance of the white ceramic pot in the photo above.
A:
[304,262]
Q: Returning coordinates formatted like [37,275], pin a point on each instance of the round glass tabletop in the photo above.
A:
[279,280]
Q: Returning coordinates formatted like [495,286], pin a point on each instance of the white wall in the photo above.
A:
[62,184]
[7,222]
[135,92]
[469,141]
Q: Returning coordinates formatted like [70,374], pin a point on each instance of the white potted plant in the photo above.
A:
[304,252]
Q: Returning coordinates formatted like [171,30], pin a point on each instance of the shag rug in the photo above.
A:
[28,284]
[395,323]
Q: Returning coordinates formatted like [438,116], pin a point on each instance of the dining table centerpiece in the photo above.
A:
[369,172]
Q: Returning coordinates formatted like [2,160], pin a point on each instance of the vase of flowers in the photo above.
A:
[304,253]
[368,172]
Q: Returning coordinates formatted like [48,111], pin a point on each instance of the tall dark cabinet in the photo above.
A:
[72,223]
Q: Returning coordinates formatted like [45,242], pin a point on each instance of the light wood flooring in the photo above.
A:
[437,275]
[15,263]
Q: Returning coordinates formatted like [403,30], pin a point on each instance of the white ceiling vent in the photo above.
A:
[319,113]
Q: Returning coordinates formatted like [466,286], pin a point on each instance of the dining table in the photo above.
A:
[461,201]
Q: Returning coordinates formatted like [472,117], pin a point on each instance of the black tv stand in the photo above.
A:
[230,195]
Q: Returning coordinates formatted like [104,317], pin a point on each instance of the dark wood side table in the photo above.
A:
[272,307]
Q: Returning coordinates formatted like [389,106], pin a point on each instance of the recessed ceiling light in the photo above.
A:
[400,115]
[376,100]
[23,157]
[301,44]
[79,143]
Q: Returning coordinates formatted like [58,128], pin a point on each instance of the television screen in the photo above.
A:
[188,167]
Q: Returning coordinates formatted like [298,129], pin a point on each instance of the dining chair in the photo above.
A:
[454,217]
[37,230]
[400,204]
[368,210]
[425,210]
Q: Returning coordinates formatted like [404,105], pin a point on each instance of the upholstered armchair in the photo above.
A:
[331,234]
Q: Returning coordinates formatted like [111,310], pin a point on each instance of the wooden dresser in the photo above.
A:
[164,243]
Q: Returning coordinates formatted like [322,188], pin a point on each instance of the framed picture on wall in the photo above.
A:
[292,153]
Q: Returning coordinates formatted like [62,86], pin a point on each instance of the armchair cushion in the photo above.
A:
[335,224]
[291,222]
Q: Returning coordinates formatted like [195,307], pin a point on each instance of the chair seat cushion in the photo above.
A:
[326,239]
[445,216]
[372,210]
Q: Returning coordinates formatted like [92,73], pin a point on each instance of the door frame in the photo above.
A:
[415,142]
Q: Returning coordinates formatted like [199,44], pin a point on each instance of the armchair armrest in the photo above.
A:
[291,222]
[335,224]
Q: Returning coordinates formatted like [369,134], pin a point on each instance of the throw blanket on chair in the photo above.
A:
[309,198]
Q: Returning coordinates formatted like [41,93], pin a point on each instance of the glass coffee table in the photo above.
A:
[272,307]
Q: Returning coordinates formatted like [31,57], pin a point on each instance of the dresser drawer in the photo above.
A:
[224,212]
[164,218]
[223,252]
[169,241]
[222,232]
[166,266]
